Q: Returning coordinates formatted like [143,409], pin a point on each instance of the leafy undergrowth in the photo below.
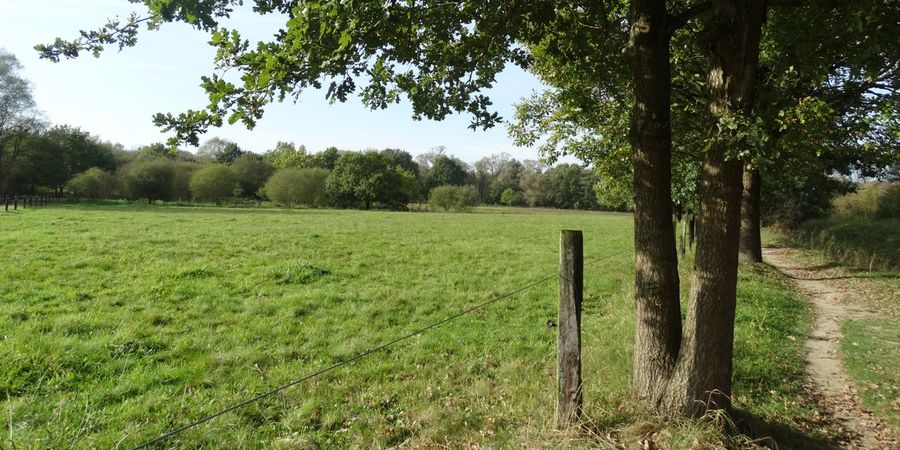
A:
[120,322]
[869,244]
[871,350]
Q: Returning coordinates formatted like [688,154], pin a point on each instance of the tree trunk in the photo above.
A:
[702,376]
[751,242]
[658,315]
[692,230]
[682,246]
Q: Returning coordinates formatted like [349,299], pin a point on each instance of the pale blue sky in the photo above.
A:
[116,95]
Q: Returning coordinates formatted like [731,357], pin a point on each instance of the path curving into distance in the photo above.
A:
[824,366]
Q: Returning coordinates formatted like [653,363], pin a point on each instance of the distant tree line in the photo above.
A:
[64,159]
[36,158]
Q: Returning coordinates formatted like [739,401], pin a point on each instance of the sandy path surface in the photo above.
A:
[825,368]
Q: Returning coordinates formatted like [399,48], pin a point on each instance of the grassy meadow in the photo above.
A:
[120,322]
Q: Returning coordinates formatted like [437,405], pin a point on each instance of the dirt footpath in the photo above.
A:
[825,368]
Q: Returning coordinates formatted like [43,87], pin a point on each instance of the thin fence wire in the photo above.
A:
[360,356]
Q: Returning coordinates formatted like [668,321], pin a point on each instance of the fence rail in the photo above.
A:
[30,201]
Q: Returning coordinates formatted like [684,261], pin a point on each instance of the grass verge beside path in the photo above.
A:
[871,351]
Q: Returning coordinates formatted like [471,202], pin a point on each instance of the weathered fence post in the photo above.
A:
[568,343]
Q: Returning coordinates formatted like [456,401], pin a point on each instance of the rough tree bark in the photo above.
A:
[751,242]
[702,376]
[658,316]
[692,230]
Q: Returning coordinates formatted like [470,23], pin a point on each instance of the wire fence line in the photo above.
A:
[362,355]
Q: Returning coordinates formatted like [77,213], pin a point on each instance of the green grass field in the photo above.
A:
[119,323]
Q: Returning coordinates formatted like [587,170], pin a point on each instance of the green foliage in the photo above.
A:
[152,180]
[19,122]
[365,179]
[288,187]
[790,200]
[252,171]
[155,150]
[445,171]
[456,198]
[511,197]
[286,155]
[536,188]
[873,201]
[214,183]
[325,159]
[573,187]
[401,159]
[59,154]
[228,154]
[409,186]
[861,242]
[94,184]
[184,170]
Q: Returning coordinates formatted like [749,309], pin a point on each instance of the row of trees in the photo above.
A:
[288,175]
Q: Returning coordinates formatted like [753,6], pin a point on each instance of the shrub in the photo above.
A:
[872,201]
[865,243]
[94,184]
[252,172]
[153,180]
[367,179]
[292,186]
[214,183]
[457,198]
[889,203]
[511,197]
[184,170]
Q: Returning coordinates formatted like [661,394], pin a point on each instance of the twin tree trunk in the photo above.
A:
[702,376]
[751,242]
[658,314]
[686,376]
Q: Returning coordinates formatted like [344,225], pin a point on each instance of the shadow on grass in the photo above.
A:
[776,434]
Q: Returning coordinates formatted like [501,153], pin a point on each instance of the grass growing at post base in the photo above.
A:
[121,322]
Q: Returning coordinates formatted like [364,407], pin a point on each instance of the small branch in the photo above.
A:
[681,19]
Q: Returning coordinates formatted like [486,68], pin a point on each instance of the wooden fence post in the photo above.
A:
[568,343]
[6,201]
[15,204]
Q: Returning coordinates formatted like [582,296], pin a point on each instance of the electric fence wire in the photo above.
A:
[358,356]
